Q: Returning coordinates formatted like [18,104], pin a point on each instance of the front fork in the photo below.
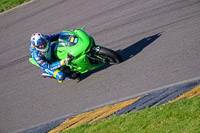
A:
[97,48]
[95,54]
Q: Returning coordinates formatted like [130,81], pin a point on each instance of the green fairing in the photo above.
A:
[33,62]
[81,62]
[76,50]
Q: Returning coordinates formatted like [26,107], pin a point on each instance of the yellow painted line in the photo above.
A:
[92,116]
[191,93]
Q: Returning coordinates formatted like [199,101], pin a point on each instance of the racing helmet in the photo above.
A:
[39,42]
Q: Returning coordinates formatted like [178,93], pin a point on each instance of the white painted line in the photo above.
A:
[16,7]
[116,101]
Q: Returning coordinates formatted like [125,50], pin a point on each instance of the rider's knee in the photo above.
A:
[60,76]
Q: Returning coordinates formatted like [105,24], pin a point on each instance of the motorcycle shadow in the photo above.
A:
[126,53]
[137,47]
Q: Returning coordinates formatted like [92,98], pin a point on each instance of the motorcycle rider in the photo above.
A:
[41,48]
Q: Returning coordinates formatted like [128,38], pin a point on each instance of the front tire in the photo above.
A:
[109,56]
[74,75]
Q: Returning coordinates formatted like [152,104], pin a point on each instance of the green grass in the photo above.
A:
[178,117]
[8,4]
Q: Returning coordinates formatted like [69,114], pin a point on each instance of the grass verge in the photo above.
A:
[8,4]
[177,117]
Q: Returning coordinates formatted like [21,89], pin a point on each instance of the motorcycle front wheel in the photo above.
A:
[109,56]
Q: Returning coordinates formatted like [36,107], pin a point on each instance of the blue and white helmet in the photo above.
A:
[39,42]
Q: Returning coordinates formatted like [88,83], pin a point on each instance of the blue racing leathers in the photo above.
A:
[45,59]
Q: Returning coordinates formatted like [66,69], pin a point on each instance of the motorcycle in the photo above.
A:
[83,51]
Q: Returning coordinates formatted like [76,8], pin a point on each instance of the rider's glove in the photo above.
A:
[65,61]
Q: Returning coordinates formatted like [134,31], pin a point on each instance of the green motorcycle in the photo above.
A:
[85,54]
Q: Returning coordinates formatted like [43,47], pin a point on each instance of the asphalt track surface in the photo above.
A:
[159,41]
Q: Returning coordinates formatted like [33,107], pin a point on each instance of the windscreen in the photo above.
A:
[67,40]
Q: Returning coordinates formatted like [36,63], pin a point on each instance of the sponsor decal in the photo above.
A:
[75,40]
[72,39]
[56,67]
[42,64]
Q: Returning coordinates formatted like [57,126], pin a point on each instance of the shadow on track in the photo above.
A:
[126,53]
[136,48]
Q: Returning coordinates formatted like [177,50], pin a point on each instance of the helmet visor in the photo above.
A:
[42,45]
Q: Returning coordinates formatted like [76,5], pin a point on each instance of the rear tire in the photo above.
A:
[109,56]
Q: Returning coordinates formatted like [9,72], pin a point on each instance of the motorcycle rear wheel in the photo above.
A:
[109,56]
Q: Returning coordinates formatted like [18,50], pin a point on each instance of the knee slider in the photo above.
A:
[60,75]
